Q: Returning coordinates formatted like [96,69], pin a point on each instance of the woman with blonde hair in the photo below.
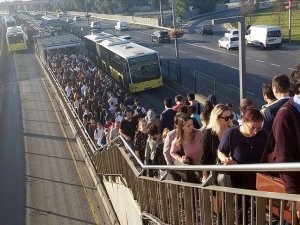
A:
[220,121]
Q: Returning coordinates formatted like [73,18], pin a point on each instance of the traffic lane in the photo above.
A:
[222,14]
[230,59]
[52,183]
[53,187]
[12,159]
[153,99]
[283,58]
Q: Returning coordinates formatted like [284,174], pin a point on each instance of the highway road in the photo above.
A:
[44,179]
[202,54]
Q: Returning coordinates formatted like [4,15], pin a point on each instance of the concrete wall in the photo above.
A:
[154,22]
[124,205]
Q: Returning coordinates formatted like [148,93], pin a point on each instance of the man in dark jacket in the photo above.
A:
[281,88]
[286,131]
[167,116]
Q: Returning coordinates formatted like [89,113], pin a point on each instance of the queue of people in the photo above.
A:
[187,132]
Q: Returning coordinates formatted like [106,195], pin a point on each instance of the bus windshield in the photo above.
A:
[11,23]
[15,39]
[144,68]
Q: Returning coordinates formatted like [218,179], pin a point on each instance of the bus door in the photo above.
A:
[126,74]
[106,61]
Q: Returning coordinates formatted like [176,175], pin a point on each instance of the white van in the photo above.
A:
[121,25]
[264,36]
[77,18]
[95,25]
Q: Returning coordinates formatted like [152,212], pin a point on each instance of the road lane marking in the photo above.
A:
[69,147]
[259,61]
[250,93]
[199,57]
[141,32]
[274,64]
[236,68]
[182,51]
[233,86]
[212,49]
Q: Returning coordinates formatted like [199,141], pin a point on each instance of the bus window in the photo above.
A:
[144,68]
[15,39]
[11,23]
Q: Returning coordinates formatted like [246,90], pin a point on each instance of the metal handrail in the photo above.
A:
[257,167]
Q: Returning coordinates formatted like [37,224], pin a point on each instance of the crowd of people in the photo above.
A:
[186,131]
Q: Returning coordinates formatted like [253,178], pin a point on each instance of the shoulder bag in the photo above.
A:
[183,175]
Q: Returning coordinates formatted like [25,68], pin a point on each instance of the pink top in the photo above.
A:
[192,150]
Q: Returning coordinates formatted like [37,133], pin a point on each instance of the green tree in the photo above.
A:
[247,8]
[180,7]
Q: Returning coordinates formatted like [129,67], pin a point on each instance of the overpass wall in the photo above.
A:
[130,19]
[124,204]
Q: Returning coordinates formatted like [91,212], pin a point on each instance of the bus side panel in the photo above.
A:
[17,47]
[138,87]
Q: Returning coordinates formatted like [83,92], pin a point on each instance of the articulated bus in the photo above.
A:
[135,67]
[16,39]
[54,22]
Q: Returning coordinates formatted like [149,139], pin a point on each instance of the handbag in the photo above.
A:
[267,182]
[184,175]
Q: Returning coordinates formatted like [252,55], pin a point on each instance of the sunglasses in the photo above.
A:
[226,118]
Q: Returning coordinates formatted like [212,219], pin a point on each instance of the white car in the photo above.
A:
[232,32]
[229,42]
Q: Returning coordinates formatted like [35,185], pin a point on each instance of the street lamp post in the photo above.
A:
[174,26]
[242,49]
[161,14]
[290,20]
[86,11]
[176,44]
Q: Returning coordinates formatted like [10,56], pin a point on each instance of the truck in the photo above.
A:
[121,25]
[264,36]
[95,25]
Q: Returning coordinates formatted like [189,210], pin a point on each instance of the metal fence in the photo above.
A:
[200,83]
[180,203]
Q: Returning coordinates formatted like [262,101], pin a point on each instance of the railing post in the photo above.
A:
[179,73]
[168,67]
[215,86]
[195,87]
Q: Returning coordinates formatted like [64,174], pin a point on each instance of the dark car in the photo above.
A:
[207,29]
[160,36]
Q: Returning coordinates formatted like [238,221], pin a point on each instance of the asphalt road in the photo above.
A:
[202,54]
[43,177]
